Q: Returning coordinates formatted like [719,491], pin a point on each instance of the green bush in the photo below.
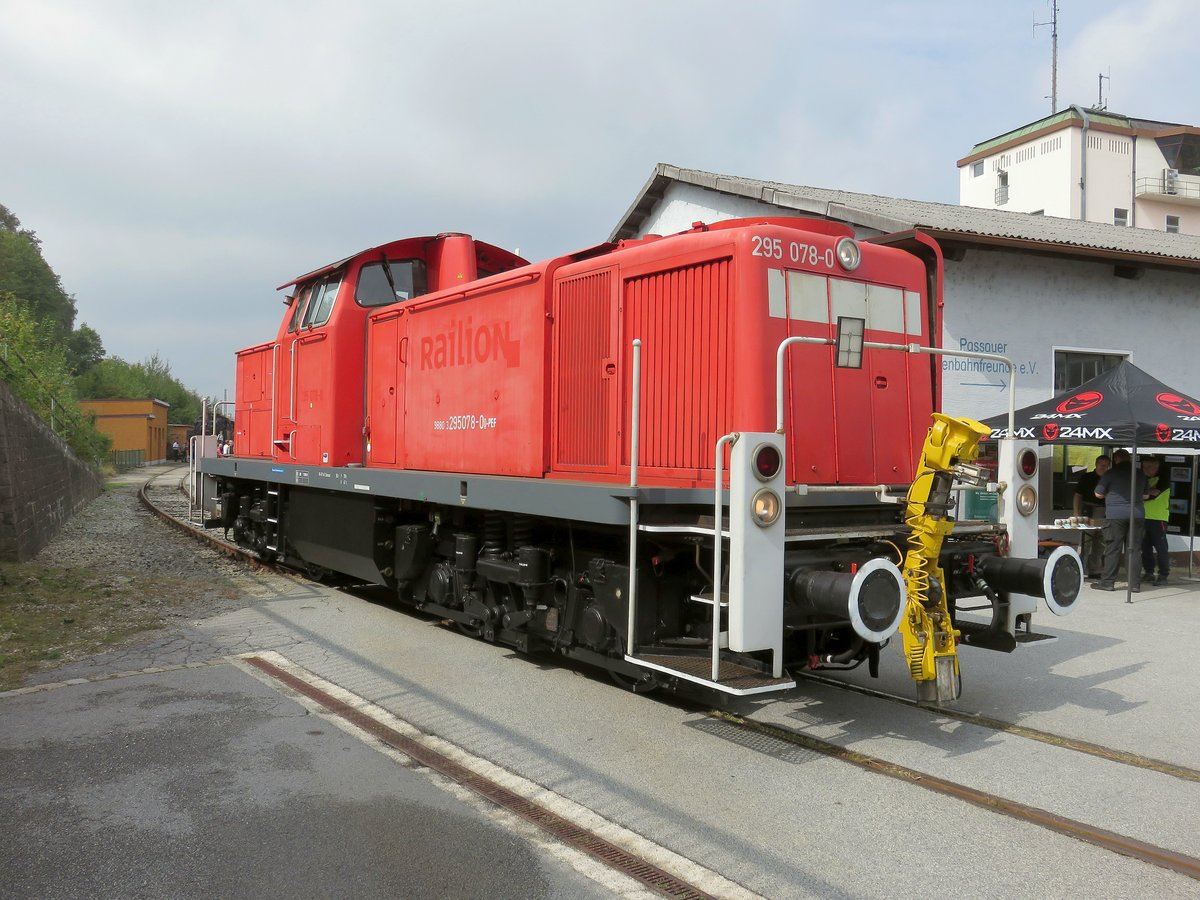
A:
[34,364]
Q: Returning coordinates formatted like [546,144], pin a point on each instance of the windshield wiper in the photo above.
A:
[387,273]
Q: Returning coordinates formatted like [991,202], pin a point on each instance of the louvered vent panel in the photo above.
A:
[682,318]
[584,314]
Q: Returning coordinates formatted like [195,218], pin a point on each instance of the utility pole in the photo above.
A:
[1100,104]
[1053,23]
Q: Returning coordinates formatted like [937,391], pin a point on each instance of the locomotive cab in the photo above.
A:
[285,388]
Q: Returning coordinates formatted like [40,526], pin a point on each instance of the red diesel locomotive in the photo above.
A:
[684,459]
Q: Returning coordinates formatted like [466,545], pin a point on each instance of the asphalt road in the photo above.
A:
[206,781]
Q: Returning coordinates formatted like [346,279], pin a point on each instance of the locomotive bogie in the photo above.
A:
[547,585]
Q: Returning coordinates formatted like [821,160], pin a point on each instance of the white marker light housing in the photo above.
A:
[765,507]
[848,254]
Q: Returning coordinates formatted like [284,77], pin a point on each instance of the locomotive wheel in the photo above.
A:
[470,629]
[643,685]
[316,573]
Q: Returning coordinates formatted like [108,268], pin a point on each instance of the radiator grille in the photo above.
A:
[682,318]
[584,311]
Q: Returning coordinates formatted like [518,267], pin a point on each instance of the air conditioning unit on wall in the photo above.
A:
[1170,181]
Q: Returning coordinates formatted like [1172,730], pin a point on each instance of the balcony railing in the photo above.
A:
[1002,195]
[1180,187]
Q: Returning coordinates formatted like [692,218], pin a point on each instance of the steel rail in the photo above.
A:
[1108,840]
[1124,757]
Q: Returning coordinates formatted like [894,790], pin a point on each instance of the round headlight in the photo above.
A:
[767,461]
[765,507]
[1026,500]
[848,254]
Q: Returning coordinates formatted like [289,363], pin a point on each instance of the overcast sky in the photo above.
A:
[179,161]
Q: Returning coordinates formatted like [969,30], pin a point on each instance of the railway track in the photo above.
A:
[168,503]
[1099,837]
[1045,737]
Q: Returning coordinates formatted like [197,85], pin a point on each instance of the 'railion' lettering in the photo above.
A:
[463,344]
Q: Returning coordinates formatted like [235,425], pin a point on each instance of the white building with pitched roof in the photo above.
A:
[1090,165]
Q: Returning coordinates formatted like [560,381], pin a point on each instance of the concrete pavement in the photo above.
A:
[776,819]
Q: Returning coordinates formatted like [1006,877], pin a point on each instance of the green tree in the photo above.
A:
[113,377]
[43,315]
[84,349]
[33,363]
[25,273]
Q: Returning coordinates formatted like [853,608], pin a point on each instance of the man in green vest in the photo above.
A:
[1158,510]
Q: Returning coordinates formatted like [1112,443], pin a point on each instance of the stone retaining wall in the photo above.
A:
[42,483]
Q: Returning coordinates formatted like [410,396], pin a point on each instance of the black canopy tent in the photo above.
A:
[1124,406]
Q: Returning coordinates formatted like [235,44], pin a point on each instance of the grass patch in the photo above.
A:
[51,616]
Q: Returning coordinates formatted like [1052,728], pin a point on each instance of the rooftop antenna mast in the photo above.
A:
[1053,23]
[1100,104]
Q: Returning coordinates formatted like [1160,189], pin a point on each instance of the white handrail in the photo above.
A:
[274,394]
[635,412]
[718,529]
[781,355]
[292,386]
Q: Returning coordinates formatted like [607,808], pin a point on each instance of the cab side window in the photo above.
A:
[298,307]
[321,304]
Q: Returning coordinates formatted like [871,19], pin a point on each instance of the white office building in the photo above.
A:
[1090,165]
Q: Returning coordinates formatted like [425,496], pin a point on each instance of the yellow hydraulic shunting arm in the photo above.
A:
[930,639]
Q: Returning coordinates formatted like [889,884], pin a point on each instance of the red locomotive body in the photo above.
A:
[482,430]
[472,363]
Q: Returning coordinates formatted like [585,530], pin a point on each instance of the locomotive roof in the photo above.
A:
[483,250]
[963,225]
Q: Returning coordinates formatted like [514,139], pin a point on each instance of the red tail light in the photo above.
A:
[1028,463]
[767,461]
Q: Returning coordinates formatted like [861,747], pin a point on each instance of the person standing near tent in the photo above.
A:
[1084,503]
[1158,510]
[1119,510]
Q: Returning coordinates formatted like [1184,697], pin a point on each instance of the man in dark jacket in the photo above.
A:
[1086,504]
[1119,509]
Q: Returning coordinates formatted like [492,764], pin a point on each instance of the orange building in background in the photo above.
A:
[133,425]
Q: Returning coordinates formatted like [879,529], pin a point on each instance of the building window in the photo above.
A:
[1120,216]
[1072,367]
[1173,224]
[977,169]
[1001,188]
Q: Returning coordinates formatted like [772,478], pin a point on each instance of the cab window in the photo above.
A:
[298,308]
[321,304]
[373,289]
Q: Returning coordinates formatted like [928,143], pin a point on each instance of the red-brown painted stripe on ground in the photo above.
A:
[1124,757]
[566,831]
[1109,840]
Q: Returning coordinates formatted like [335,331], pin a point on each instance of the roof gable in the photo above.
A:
[963,224]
